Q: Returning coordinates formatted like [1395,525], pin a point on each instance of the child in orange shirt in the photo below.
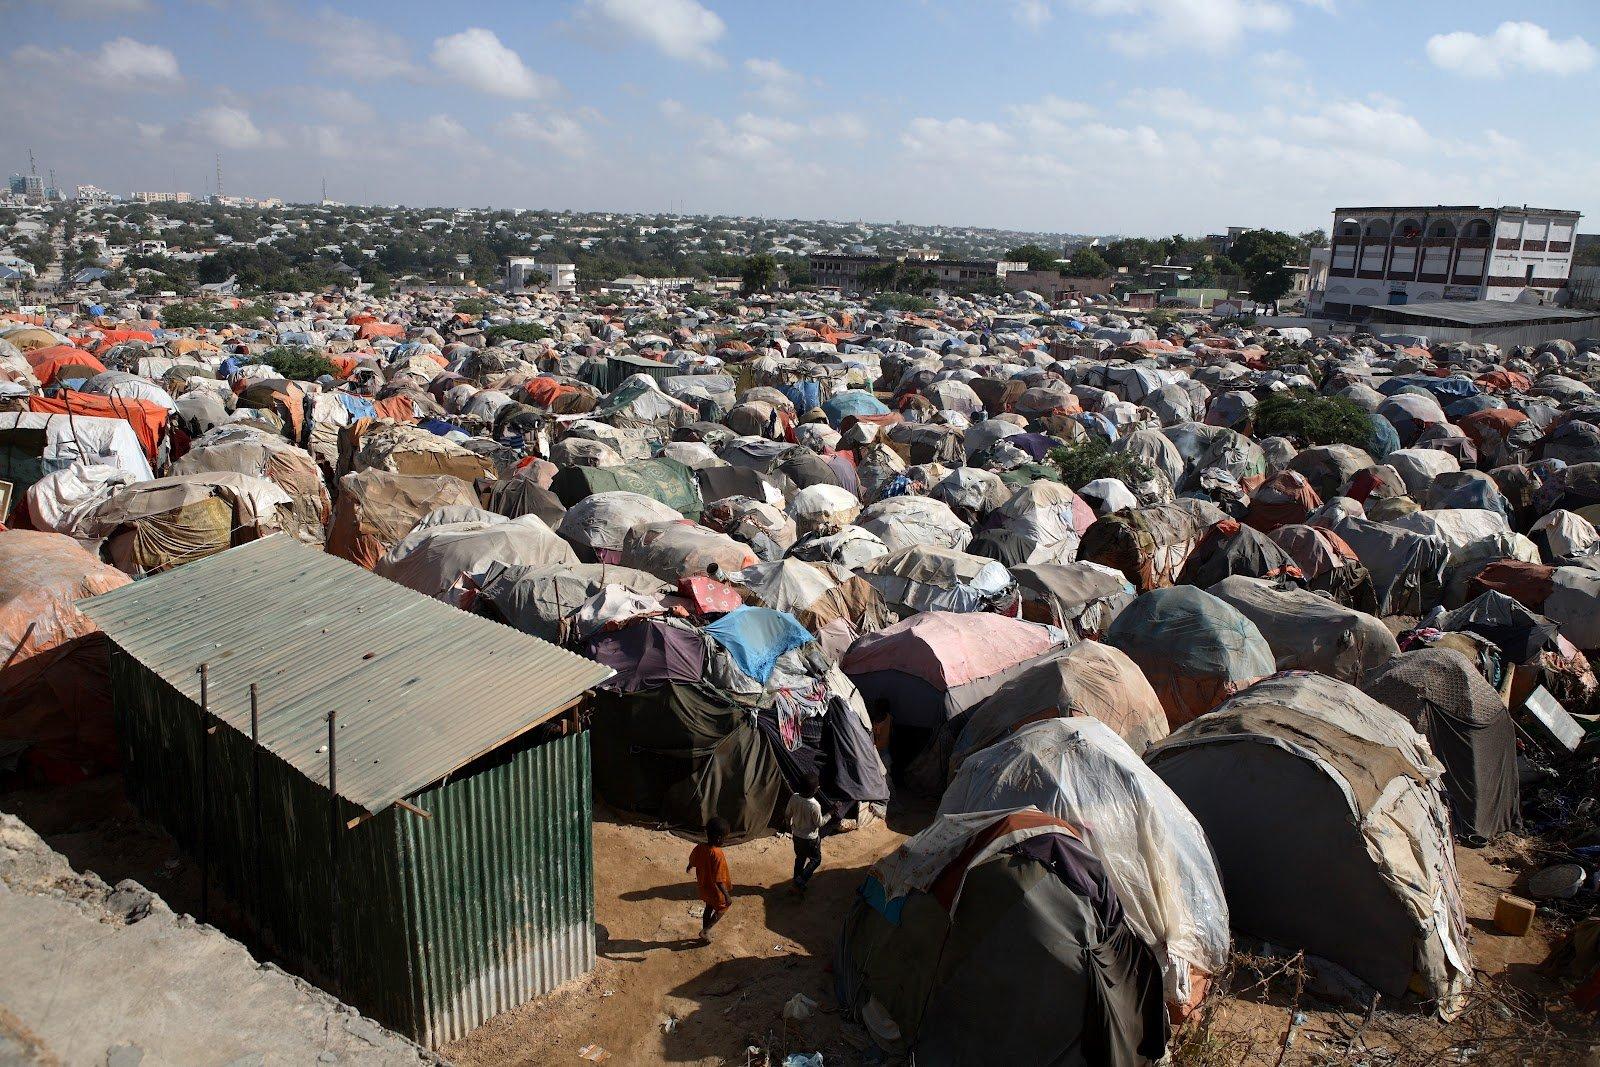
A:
[710,865]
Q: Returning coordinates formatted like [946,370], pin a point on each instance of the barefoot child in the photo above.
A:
[805,827]
[710,865]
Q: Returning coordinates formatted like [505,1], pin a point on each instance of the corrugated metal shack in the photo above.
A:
[410,828]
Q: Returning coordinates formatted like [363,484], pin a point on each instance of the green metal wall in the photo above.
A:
[429,926]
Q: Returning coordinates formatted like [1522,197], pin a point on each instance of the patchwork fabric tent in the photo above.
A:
[1000,915]
[1327,814]
[1310,632]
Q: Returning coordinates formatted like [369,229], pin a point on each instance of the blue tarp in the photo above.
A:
[756,637]
[851,402]
[359,407]
[438,427]
[803,395]
[1385,438]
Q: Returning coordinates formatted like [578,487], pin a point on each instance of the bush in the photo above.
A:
[516,331]
[473,306]
[182,315]
[297,364]
[1083,461]
[1308,419]
[901,302]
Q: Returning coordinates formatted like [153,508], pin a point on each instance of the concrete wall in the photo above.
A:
[91,973]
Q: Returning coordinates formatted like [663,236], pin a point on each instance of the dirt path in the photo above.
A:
[724,997]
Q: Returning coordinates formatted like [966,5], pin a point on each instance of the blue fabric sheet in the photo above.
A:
[756,637]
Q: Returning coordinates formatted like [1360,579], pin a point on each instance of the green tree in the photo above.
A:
[1087,263]
[1035,256]
[1263,257]
[759,275]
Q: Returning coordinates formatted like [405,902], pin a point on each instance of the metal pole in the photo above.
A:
[255,793]
[205,789]
[333,851]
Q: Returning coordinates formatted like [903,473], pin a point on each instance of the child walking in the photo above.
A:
[710,865]
[805,827]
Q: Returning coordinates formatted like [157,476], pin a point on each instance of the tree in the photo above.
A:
[1035,256]
[759,275]
[1263,256]
[1087,263]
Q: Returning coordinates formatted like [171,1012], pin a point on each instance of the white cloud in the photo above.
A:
[776,85]
[1512,46]
[953,137]
[122,63]
[1180,107]
[1379,127]
[1207,25]
[1031,13]
[839,127]
[225,127]
[563,133]
[682,29]
[1049,116]
[477,59]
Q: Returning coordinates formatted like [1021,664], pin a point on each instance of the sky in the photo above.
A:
[1140,117]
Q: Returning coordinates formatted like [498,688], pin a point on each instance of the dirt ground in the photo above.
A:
[657,996]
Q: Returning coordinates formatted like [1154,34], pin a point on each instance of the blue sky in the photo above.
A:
[1099,116]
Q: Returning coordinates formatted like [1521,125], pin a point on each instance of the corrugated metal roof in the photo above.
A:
[421,688]
[1476,313]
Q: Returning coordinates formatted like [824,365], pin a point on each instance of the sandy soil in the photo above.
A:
[658,996]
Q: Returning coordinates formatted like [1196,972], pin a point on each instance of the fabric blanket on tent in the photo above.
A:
[755,637]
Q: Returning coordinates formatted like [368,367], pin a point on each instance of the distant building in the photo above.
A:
[559,277]
[1386,256]
[93,194]
[845,271]
[150,248]
[30,186]
[159,198]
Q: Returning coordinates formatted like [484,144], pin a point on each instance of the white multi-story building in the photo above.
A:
[1412,255]
[159,198]
[560,277]
[93,194]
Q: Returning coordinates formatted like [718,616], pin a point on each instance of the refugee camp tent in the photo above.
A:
[1195,650]
[666,480]
[1327,814]
[905,521]
[541,600]
[1148,545]
[448,553]
[1154,852]
[674,550]
[598,525]
[933,666]
[929,578]
[1081,597]
[249,450]
[1447,700]
[55,695]
[1309,632]
[1087,679]
[833,604]
[375,509]
[167,522]
[997,936]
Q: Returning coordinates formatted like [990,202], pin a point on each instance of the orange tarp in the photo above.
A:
[47,362]
[370,330]
[148,419]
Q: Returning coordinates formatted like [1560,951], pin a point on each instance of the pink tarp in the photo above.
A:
[947,649]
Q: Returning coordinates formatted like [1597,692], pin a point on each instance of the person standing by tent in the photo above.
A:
[710,865]
[805,827]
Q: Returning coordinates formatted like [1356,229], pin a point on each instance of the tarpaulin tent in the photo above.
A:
[1309,632]
[1154,852]
[905,521]
[674,550]
[682,754]
[252,451]
[926,578]
[936,664]
[448,553]
[1087,679]
[1327,814]
[1148,545]
[648,653]
[998,937]
[598,525]
[375,509]
[55,696]
[1195,650]
[541,600]
[148,419]
[666,480]
[1441,693]
[755,637]
[1082,597]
